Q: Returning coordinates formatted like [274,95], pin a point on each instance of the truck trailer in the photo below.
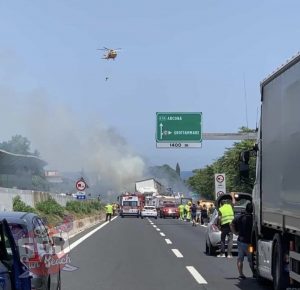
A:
[276,193]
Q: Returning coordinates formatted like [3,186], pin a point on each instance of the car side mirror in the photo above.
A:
[58,241]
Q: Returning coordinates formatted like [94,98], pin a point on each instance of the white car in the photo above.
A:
[149,211]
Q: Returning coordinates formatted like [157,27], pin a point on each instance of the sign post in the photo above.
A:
[220,184]
[178,130]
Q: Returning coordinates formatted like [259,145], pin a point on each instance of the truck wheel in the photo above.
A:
[280,276]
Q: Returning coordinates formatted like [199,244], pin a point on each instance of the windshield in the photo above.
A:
[130,203]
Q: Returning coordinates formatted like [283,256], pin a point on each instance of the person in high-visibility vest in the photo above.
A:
[188,211]
[181,211]
[109,211]
[226,216]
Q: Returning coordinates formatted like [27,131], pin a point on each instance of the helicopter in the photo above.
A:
[110,53]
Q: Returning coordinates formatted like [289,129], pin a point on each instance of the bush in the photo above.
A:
[84,207]
[50,206]
[19,205]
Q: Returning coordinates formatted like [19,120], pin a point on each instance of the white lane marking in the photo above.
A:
[158,229]
[197,276]
[79,241]
[168,241]
[205,226]
[177,253]
[162,234]
[154,226]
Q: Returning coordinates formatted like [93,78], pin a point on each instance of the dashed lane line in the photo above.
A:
[154,226]
[168,241]
[197,276]
[158,229]
[177,253]
[162,234]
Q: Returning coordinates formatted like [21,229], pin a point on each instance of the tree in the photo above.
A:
[19,145]
[203,180]
[178,169]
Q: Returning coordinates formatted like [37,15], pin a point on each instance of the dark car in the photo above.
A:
[36,249]
[14,275]
[169,210]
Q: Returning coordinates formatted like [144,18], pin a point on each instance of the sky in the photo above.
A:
[177,56]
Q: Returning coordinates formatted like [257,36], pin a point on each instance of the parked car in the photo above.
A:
[149,211]
[169,210]
[14,275]
[36,249]
[213,233]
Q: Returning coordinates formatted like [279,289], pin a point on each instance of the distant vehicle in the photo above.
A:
[213,233]
[169,210]
[110,53]
[149,211]
[37,250]
[14,275]
[129,205]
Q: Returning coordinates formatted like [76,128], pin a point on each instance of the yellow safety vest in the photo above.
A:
[109,208]
[227,214]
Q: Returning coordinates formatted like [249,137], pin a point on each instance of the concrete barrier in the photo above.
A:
[77,226]
[30,197]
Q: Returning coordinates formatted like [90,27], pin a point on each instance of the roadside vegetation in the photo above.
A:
[203,180]
[54,213]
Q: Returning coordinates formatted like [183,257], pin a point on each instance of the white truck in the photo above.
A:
[276,193]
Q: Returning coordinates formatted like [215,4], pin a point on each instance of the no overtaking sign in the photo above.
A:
[220,184]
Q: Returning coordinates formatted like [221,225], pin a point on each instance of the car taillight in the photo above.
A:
[214,228]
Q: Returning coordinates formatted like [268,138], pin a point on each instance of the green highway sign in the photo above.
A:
[178,130]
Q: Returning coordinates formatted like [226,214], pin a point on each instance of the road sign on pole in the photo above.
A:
[220,184]
[178,130]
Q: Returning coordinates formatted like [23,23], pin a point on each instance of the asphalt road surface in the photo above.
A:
[141,254]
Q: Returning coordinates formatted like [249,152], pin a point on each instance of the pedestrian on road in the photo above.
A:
[109,211]
[211,210]
[242,226]
[198,213]
[226,216]
[204,215]
[181,211]
[188,211]
[193,210]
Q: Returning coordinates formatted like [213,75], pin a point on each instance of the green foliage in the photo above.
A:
[19,145]
[19,205]
[40,183]
[50,206]
[203,180]
[83,207]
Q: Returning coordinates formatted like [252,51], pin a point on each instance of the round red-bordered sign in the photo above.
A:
[220,178]
[80,185]
[219,193]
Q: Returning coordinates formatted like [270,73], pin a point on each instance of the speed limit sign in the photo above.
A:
[80,185]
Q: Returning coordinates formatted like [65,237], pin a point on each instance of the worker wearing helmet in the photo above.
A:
[188,211]
[181,211]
